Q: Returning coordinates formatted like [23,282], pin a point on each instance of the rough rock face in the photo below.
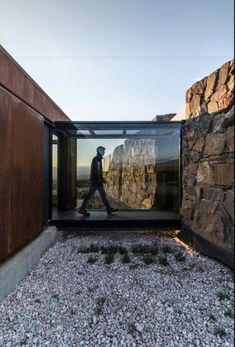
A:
[208,178]
[213,93]
[131,177]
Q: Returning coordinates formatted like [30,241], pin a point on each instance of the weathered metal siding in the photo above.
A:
[21,177]
[23,107]
[15,79]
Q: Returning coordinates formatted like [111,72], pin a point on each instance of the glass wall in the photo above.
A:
[140,166]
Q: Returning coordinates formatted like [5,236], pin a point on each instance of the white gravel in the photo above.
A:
[66,301]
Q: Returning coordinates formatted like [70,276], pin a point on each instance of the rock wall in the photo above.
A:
[131,178]
[213,93]
[207,210]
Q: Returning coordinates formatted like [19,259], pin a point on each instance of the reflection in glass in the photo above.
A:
[140,173]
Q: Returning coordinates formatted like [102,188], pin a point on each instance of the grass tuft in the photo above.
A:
[212,317]
[148,259]
[92,260]
[109,259]
[180,256]
[100,303]
[167,249]
[144,249]
[91,249]
[229,313]
[110,249]
[122,250]
[126,259]
[163,260]
[131,328]
[220,332]
[222,296]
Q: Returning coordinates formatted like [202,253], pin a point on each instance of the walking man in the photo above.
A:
[97,182]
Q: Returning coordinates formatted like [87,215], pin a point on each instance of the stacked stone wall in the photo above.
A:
[207,210]
[213,93]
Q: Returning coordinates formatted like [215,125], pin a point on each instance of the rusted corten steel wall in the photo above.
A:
[16,80]
[23,109]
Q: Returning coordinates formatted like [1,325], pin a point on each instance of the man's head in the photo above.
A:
[100,150]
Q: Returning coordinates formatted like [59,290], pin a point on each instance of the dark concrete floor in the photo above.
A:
[119,218]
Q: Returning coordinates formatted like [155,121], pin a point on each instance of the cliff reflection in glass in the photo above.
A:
[141,165]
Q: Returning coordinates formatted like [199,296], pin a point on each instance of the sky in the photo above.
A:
[117,59]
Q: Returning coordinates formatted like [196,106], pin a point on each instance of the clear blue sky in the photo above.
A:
[117,59]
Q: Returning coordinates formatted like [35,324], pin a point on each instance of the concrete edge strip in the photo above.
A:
[14,270]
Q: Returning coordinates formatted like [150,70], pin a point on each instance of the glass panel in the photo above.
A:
[84,132]
[139,173]
[108,132]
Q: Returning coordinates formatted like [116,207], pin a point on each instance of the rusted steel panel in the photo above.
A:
[5,169]
[4,62]
[27,175]
[14,78]
[21,175]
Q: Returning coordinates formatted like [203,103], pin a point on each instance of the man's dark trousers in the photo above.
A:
[100,188]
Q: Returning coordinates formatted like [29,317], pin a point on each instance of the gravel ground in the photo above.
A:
[72,298]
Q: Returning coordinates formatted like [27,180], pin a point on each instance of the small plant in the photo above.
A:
[163,261]
[180,256]
[220,332]
[167,249]
[144,249]
[73,311]
[122,250]
[212,317]
[100,303]
[126,259]
[24,341]
[92,260]
[91,249]
[148,259]
[131,328]
[109,258]
[154,250]
[222,296]
[229,313]
[109,250]
[55,296]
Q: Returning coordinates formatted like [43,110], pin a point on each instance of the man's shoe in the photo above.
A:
[111,210]
[84,212]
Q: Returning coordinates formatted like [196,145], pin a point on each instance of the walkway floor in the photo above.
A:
[132,289]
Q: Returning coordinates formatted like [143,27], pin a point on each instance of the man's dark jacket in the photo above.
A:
[96,175]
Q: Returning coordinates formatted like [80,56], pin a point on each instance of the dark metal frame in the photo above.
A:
[69,127]
[66,127]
